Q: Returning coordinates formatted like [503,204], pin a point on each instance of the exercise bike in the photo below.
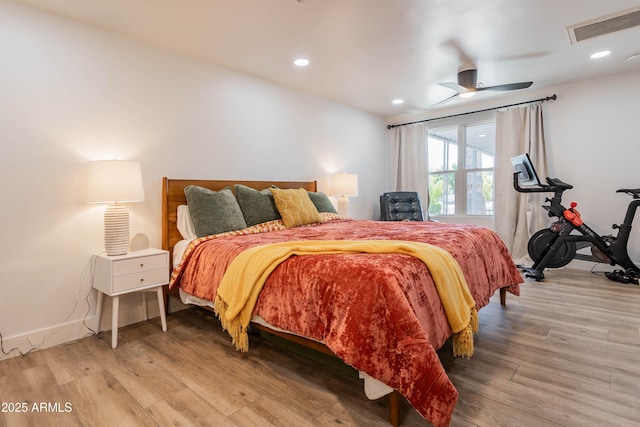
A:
[556,246]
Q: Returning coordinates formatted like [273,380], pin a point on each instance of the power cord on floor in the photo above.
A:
[11,350]
[98,334]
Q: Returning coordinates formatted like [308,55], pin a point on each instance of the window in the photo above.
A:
[461,169]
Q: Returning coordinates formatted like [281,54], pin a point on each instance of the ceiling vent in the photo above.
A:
[608,24]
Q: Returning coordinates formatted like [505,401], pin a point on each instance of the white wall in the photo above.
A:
[70,93]
[593,143]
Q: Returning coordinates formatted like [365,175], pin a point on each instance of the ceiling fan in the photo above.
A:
[467,85]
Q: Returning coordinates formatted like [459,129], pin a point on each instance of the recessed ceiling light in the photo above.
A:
[301,62]
[600,54]
[397,101]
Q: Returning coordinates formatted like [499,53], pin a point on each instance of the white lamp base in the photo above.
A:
[343,205]
[116,229]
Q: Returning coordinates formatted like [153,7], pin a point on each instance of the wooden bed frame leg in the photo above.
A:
[165,291]
[394,408]
[503,296]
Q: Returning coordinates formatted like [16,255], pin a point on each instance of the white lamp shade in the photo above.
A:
[344,184]
[114,181]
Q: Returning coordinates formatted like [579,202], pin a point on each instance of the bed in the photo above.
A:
[379,312]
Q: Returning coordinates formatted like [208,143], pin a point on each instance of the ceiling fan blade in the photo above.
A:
[467,85]
[453,86]
[508,86]
[445,100]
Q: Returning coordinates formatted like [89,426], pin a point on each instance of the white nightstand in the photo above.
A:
[146,270]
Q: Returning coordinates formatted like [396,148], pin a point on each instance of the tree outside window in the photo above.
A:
[461,169]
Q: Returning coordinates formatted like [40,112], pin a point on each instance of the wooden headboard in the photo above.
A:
[173,196]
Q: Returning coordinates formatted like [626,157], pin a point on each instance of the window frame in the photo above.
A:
[461,173]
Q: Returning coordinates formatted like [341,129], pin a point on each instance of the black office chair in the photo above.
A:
[401,206]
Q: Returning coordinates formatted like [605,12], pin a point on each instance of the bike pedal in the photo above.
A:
[533,274]
[621,277]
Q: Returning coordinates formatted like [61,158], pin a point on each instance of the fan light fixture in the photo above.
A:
[115,182]
[467,85]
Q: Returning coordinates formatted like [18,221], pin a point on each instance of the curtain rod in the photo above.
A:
[547,98]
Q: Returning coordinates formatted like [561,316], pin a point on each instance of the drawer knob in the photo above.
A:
[141,264]
[141,280]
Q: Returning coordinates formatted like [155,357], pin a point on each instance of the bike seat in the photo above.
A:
[635,192]
[555,182]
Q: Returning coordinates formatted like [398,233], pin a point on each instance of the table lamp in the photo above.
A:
[115,182]
[344,185]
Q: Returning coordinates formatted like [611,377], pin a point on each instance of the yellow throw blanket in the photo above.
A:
[240,286]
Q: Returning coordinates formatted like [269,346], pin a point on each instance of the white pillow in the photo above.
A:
[185,225]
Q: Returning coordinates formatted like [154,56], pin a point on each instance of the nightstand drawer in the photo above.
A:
[140,264]
[139,280]
[119,274]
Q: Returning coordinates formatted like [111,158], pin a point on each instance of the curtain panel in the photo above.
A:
[408,157]
[519,215]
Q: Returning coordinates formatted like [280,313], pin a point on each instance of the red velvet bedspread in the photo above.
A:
[380,313]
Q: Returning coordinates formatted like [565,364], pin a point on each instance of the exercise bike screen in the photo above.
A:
[524,168]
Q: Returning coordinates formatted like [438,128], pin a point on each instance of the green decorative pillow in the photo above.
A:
[213,212]
[257,206]
[295,207]
[322,202]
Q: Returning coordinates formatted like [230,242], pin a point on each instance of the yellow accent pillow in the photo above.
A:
[295,207]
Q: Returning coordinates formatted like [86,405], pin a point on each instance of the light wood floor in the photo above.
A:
[567,352]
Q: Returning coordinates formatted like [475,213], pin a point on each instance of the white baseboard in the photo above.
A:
[44,338]
[73,331]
